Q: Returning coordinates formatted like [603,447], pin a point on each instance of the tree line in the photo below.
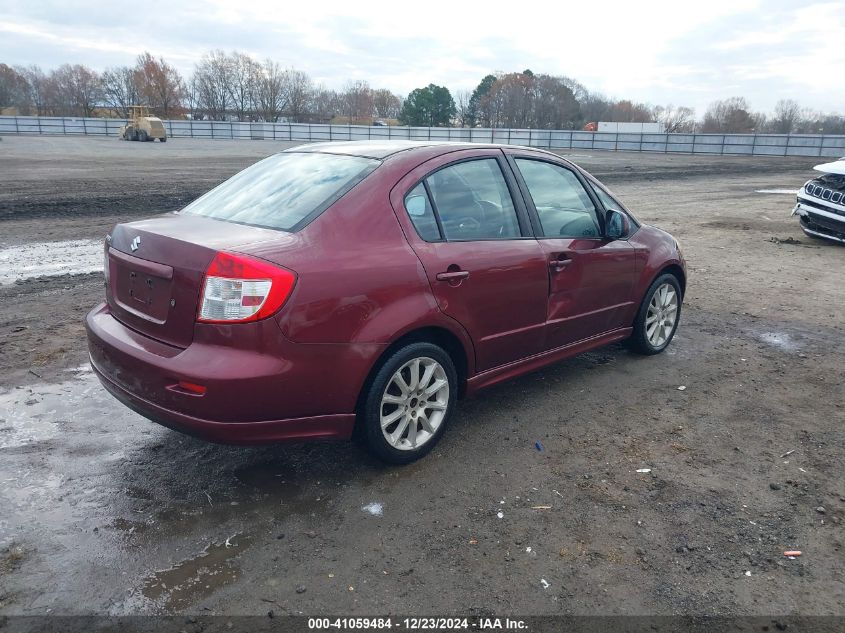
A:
[235,86]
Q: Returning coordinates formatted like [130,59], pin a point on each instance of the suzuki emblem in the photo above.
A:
[135,243]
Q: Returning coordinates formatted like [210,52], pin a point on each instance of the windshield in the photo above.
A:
[284,191]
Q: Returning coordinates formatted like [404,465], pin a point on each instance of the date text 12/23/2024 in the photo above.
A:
[417,624]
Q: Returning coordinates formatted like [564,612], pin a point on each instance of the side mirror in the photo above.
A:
[416,205]
[616,225]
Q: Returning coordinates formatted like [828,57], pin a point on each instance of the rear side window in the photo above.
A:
[421,214]
[284,191]
[563,205]
[473,201]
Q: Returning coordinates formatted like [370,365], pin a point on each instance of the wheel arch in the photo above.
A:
[676,271]
[438,335]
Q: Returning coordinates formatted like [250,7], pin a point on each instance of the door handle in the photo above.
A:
[455,275]
[559,264]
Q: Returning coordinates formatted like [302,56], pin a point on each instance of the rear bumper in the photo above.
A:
[291,429]
[260,387]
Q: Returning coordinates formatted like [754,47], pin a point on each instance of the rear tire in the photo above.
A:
[408,403]
[658,317]
[163,139]
[142,136]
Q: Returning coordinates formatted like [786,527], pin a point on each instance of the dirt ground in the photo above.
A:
[103,512]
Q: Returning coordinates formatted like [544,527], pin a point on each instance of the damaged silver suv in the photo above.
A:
[821,203]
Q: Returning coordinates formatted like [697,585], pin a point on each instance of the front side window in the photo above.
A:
[563,205]
[607,200]
[473,201]
[283,191]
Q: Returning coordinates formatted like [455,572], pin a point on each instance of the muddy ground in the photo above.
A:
[104,512]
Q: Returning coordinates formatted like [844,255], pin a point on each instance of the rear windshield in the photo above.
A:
[284,191]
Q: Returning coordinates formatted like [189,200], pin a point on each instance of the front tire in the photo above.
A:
[658,316]
[408,403]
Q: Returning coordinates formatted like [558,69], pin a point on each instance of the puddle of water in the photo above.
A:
[779,339]
[374,508]
[39,259]
[84,479]
[191,580]
[29,416]
[791,192]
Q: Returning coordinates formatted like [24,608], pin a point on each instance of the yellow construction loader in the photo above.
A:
[142,127]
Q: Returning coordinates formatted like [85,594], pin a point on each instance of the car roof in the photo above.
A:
[383,149]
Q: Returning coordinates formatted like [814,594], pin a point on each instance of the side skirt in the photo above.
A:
[512,370]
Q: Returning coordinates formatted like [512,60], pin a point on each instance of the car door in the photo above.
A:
[590,277]
[474,240]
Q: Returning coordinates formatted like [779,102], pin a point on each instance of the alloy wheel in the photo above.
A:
[414,403]
[662,315]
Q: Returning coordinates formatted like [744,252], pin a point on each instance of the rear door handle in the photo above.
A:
[455,275]
[556,265]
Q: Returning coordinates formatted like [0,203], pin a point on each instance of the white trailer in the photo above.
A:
[630,128]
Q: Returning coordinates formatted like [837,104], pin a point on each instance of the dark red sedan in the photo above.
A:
[363,287]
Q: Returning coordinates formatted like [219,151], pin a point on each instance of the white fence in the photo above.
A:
[733,144]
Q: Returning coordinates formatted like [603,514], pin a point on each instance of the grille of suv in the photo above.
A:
[823,193]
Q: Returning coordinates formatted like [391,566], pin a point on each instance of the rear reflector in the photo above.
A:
[192,387]
[106,259]
[238,288]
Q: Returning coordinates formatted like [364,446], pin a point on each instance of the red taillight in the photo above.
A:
[238,288]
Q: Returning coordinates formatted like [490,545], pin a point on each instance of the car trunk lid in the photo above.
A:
[157,267]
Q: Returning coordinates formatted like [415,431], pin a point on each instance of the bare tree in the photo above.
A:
[119,89]
[595,107]
[626,111]
[386,104]
[462,106]
[39,88]
[159,85]
[525,100]
[14,89]
[675,118]
[297,92]
[325,104]
[357,99]
[787,116]
[579,91]
[191,100]
[77,89]
[729,116]
[831,124]
[812,122]
[271,97]
[244,86]
[511,100]
[212,78]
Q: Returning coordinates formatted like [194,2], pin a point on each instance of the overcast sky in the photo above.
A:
[659,51]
